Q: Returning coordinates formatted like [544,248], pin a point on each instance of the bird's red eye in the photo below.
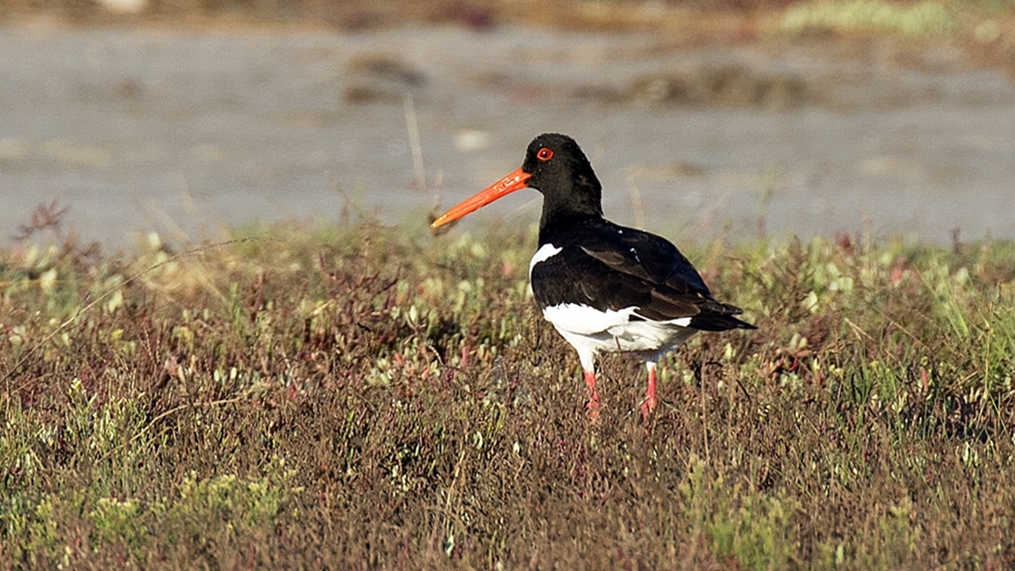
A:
[544,154]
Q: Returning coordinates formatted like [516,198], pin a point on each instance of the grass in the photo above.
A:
[354,396]
[927,18]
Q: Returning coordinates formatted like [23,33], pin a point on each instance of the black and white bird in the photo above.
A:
[605,288]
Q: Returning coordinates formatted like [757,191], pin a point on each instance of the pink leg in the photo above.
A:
[593,405]
[649,404]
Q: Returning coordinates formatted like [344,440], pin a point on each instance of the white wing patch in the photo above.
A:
[545,252]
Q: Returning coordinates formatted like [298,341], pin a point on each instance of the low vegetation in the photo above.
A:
[354,396]
[983,29]
[926,18]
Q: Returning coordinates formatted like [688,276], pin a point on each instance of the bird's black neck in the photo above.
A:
[555,222]
[571,202]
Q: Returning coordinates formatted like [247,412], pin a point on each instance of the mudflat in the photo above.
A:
[186,131]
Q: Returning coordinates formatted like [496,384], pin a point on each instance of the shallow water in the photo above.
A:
[184,131]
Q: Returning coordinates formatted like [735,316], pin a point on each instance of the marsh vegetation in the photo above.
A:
[359,396]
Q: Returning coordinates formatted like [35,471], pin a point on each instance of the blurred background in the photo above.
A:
[736,119]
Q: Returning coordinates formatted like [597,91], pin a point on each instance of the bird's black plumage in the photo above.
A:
[610,267]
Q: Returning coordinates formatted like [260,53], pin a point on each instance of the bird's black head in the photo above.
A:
[555,166]
[560,170]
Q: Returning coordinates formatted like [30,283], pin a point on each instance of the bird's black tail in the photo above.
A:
[720,318]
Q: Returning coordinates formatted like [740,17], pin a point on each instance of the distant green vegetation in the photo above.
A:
[354,396]
[925,18]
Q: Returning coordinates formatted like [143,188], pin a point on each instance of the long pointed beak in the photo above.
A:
[512,182]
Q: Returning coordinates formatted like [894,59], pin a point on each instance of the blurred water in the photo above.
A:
[184,131]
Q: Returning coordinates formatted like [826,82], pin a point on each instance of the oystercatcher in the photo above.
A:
[605,288]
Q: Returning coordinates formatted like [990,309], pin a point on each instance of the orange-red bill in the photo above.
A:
[512,182]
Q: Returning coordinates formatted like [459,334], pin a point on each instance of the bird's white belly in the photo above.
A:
[591,331]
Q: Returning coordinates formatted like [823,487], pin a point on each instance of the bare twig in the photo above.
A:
[415,147]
